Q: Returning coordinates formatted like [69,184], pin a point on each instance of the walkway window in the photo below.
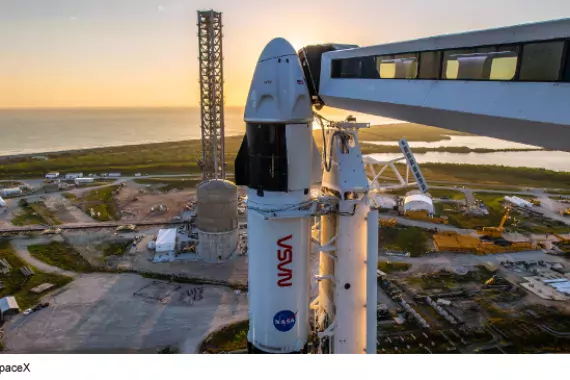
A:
[345,68]
[399,66]
[542,61]
[504,66]
[450,67]
[566,77]
[430,64]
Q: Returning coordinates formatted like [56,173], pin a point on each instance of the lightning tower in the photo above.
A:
[211,94]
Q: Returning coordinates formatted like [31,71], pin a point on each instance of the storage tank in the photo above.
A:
[217,219]
[11,192]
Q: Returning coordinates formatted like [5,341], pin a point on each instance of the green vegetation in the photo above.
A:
[168,184]
[170,157]
[114,248]
[69,196]
[44,213]
[34,213]
[451,194]
[493,202]
[410,131]
[181,157]
[229,338]
[411,239]
[103,203]
[377,148]
[391,267]
[60,255]
[489,175]
[27,217]
[15,282]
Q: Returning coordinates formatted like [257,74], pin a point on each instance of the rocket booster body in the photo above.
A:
[278,162]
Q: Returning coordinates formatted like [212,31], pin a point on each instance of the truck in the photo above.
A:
[79,181]
[72,176]
[52,175]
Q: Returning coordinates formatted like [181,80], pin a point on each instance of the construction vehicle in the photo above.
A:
[388,222]
[565,212]
[491,280]
[496,232]
[535,202]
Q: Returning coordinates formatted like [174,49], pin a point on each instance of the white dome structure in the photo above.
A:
[418,202]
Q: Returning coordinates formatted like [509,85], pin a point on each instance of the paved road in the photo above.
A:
[21,249]
[418,223]
[458,259]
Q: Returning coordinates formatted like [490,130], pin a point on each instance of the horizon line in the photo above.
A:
[107,107]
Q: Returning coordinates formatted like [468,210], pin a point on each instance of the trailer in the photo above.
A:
[79,181]
[52,175]
[73,176]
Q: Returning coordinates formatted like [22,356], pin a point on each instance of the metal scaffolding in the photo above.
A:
[211,94]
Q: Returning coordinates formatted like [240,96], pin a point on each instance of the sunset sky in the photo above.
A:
[141,53]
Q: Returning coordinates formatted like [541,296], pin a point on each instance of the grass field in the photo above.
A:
[34,213]
[103,203]
[490,175]
[114,248]
[167,184]
[410,131]
[496,212]
[15,282]
[180,158]
[27,217]
[60,255]
[378,148]
[451,194]
[411,239]
[391,267]
[229,338]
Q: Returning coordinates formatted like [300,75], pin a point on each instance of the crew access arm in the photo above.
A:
[510,83]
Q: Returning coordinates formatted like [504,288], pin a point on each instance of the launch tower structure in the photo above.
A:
[211,94]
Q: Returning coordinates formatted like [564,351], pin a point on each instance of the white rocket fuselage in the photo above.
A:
[276,163]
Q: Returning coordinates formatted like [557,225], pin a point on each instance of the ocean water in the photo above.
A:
[24,131]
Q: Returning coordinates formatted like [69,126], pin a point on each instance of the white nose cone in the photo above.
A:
[278,92]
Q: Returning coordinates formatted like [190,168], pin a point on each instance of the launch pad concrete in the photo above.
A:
[112,313]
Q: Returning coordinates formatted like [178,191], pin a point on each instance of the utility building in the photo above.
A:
[166,240]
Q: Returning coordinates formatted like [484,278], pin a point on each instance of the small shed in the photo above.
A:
[8,307]
[166,240]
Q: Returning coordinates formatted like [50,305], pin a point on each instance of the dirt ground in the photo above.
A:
[101,313]
[149,196]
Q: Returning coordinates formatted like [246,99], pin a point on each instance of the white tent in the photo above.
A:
[2,203]
[166,240]
[416,202]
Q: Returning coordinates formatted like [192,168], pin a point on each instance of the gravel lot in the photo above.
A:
[111,313]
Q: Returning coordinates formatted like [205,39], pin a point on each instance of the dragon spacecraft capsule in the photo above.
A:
[278,161]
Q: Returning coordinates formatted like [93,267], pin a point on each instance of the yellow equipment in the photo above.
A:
[388,222]
[490,281]
[565,212]
[424,216]
[535,202]
[496,231]
[451,241]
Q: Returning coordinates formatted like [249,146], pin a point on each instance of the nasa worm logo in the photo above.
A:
[285,257]
[284,320]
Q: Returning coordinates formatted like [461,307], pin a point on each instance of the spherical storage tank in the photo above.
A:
[217,219]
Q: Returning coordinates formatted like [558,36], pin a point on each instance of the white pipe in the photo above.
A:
[371,282]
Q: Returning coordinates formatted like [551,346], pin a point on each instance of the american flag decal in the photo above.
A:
[299,81]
